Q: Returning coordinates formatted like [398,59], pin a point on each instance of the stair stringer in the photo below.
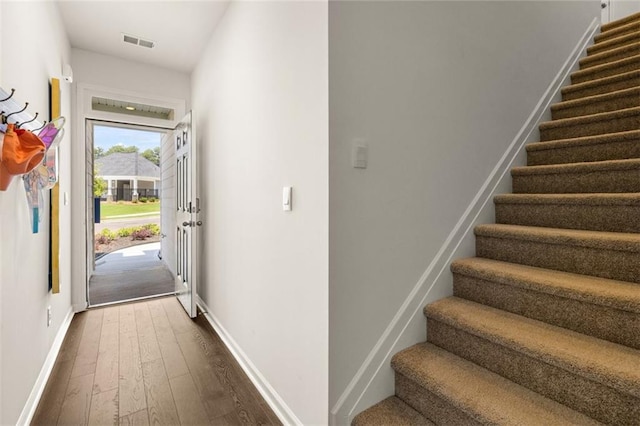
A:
[374,380]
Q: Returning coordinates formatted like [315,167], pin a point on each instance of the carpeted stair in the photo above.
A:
[544,324]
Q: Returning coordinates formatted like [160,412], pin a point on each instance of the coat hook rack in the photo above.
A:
[19,125]
[13,111]
[41,127]
[6,118]
[10,96]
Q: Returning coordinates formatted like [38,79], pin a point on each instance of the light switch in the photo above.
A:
[287,198]
[359,154]
[65,198]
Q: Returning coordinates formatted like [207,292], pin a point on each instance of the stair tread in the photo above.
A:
[586,167]
[612,64]
[635,74]
[632,48]
[614,41]
[604,97]
[610,32]
[601,116]
[391,411]
[601,361]
[576,237]
[600,291]
[615,24]
[630,135]
[596,199]
[485,396]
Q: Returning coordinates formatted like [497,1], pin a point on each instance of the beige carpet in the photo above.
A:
[544,324]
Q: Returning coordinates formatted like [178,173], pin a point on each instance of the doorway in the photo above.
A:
[123,248]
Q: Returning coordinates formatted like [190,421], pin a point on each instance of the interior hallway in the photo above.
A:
[147,363]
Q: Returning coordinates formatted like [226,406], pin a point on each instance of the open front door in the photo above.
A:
[187,207]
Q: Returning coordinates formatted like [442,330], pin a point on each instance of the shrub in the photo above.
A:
[154,228]
[143,199]
[105,237]
[153,200]
[108,234]
[125,232]
[140,234]
[101,239]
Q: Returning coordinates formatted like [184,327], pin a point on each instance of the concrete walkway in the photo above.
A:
[142,256]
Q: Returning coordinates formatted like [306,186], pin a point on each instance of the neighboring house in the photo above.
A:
[129,176]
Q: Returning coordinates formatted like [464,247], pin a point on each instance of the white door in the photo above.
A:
[187,207]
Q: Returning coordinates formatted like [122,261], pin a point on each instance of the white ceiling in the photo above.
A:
[180,29]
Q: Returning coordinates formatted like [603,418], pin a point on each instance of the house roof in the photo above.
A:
[126,164]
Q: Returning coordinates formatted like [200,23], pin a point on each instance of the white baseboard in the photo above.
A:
[374,379]
[38,388]
[270,395]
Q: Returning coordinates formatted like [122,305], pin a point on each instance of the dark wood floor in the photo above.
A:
[147,363]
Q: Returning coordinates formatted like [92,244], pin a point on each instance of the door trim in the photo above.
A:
[84,93]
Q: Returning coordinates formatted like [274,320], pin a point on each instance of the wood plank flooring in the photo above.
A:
[147,363]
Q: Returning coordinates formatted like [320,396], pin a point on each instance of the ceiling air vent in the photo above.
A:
[137,41]
[146,43]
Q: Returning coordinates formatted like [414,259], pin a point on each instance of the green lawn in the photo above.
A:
[108,210]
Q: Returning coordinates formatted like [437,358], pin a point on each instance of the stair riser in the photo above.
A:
[604,263]
[608,71]
[604,323]
[607,218]
[609,56]
[599,89]
[584,182]
[611,44]
[616,32]
[430,405]
[585,153]
[629,100]
[567,388]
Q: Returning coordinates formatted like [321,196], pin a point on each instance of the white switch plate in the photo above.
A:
[287,198]
[359,154]
[66,198]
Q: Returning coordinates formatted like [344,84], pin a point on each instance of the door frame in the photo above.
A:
[82,112]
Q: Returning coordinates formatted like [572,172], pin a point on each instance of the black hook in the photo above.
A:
[10,96]
[40,128]
[19,125]
[26,104]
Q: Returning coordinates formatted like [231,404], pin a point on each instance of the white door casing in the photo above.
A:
[605,16]
[187,207]
[90,228]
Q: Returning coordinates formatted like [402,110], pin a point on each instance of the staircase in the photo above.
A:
[544,324]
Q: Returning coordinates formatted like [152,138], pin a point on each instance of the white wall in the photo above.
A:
[438,90]
[622,8]
[109,71]
[260,96]
[38,52]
